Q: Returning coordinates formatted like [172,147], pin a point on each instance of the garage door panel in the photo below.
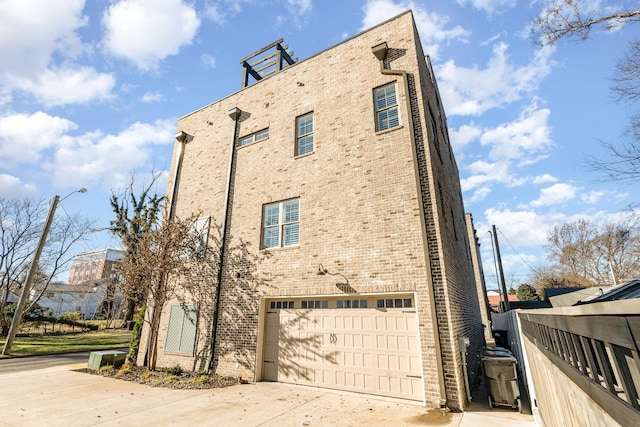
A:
[362,350]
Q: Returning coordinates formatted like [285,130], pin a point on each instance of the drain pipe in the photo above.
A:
[234,114]
[463,343]
[380,52]
[182,137]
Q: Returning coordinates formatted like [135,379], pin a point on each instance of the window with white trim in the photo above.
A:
[386,104]
[181,330]
[254,137]
[304,134]
[195,244]
[281,224]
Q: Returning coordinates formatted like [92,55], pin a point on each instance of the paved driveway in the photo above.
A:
[59,396]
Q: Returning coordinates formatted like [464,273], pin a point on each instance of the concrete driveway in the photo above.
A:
[59,396]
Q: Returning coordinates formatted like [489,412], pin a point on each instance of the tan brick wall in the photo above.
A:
[359,200]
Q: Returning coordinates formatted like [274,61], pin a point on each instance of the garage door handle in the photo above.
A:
[414,376]
[268,361]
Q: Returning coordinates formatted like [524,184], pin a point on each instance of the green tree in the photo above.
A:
[527,292]
[135,216]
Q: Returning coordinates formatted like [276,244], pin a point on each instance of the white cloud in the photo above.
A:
[489,6]
[94,157]
[208,61]
[213,12]
[480,194]
[556,194]
[32,33]
[24,137]
[147,31]
[592,197]
[526,228]
[544,179]
[464,135]
[13,187]
[511,146]
[431,26]
[32,30]
[151,97]
[473,91]
[529,134]
[67,86]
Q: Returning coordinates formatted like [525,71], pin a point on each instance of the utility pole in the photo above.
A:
[26,288]
[503,286]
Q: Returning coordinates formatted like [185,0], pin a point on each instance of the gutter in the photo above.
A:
[234,114]
[380,52]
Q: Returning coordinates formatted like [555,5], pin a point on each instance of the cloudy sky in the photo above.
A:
[91,90]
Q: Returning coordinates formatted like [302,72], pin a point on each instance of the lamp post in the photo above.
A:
[24,294]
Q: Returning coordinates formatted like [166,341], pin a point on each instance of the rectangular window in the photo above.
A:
[316,304]
[362,303]
[395,303]
[281,224]
[281,304]
[195,245]
[181,331]
[386,103]
[304,134]
[254,137]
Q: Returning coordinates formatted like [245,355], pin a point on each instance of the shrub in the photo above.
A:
[176,370]
[105,369]
[134,345]
[124,370]
[70,316]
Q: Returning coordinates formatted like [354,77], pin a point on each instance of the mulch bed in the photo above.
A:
[170,378]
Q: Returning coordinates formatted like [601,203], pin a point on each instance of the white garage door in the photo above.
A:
[367,350]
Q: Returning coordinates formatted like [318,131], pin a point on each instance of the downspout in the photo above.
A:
[234,114]
[182,138]
[380,52]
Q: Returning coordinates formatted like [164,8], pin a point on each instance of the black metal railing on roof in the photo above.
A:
[266,62]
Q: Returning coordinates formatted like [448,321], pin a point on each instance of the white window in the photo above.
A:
[304,134]
[181,331]
[197,242]
[386,103]
[254,137]
[281,224]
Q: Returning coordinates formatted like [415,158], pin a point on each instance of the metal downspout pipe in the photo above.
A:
[380,52]
[234,114]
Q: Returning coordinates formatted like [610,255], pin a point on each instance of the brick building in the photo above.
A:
[346,262]
[96,265]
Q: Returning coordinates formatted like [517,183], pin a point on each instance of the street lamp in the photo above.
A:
[24,294]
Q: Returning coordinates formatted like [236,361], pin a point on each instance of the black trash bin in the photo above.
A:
[500,337]
[501,378]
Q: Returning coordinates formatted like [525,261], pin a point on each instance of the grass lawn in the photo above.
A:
[46,344]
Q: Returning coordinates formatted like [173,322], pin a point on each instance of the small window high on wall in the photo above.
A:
[386,105]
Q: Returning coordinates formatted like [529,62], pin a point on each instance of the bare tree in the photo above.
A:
[583,254]
[19,220]
[568,18]
[163,266]
[21,223]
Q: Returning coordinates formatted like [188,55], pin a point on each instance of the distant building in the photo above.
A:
[495,298]
[88,299]
[347,263]
[96,265]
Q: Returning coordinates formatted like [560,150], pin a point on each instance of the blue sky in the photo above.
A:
[91,90]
